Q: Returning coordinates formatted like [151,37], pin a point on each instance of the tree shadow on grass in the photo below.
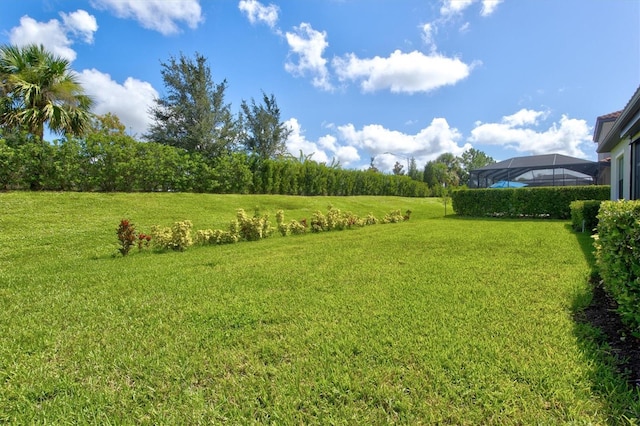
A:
[606,341]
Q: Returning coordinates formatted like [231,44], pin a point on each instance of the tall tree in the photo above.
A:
[38,89]
[372,166]
[264,134]
[398,169]
[193,115]
[473,159]
[413,171]
[443,171]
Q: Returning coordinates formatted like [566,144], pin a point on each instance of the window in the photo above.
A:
[635,170]
[620,178]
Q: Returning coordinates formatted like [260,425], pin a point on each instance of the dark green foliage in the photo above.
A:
[443,172]
[193,115]
[264,134]
[398,169]
[231,174]
[584,214]
[413,171]
[473,159]
[618,257]
[110,160]
[38,89]
[549,202]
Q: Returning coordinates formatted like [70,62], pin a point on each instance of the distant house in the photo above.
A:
[537,170]
[622,144]
[604,123]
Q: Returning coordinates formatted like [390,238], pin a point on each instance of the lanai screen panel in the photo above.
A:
[537,170]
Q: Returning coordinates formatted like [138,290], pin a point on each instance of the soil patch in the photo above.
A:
[601,313]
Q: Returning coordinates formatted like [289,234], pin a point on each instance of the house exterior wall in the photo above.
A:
[621,150]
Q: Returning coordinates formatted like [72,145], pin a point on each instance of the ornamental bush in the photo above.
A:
[178,237]
[319,222]
[293,227]
[126,236]
[218,237]
[252,228]
[617,245]
[393,217]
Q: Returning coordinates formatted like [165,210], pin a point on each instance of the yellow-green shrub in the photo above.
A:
[178,237]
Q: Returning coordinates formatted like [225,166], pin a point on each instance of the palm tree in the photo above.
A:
[38,88]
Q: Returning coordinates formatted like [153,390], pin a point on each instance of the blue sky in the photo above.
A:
[357,79]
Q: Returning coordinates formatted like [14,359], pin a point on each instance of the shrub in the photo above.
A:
[393,217]
[549,202]
[319,222]
[283,228]
[617,246]
[126,232]
[297,228]
[293,227]
[217,237]
[178,237]
[370,219]
[584,214]
[252,228]
[144,241]
[335,220]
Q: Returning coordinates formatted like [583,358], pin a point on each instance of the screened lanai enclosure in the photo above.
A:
[537,170]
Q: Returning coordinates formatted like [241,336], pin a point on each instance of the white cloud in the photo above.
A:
[159,15]
[80,23]
[402,72]
[257,12]
[53,35]
[428,31]
[456,7]
[347,155]
[376,141]
[452,7]
[489,6]
[309,45]
[325,150]
[525,117]
[515,131]
[297,143]
[130,101]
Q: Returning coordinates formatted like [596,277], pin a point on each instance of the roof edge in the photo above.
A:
[613,137]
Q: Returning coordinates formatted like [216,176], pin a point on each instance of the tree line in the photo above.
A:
[195,142]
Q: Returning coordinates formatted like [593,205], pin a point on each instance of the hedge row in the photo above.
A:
[548,202]
[119,163]
[584,215]
[617,246]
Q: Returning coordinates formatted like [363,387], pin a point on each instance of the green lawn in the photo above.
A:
[435,320]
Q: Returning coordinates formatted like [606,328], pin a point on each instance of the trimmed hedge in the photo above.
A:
[617,246]
[585,213]
[545,202]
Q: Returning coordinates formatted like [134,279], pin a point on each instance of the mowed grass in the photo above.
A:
[437,320]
